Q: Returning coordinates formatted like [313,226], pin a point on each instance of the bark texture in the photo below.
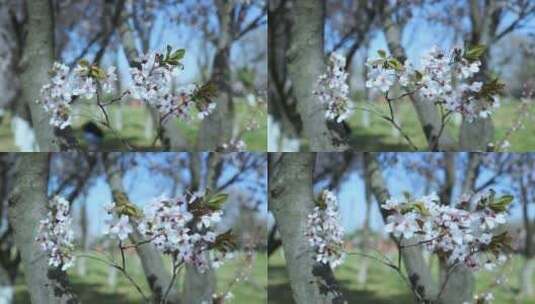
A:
[171,136]
[305,64]
[281,102]
[291,200]
[427,112]
[217,128]
[199,287]
[477,134]
[456,287]
[37,59]
[27,206]
[158,277]
[418,271]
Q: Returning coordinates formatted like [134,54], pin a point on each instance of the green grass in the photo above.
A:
[93,287]
[378,136]
[134,121]
[384,286]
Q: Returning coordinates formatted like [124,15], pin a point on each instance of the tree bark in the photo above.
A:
[36,62]
[459,282]
[418,272]
[217,128]
[171,136]
[477,134]
[305,65]
[291,200]
[526,276]
[199,287]
[362,276]
[281,103]
[158,277]
[426,111]
[459,286]
[27,206]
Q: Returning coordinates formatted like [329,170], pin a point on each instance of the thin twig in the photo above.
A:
[176,269]
[122,270]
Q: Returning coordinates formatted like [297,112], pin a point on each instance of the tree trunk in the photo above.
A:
[423,285]
[362,276]
[36,62]
[305,65]
[82,269]
[199,287]
[7,289]
[291,200]
[158,277]
[217,128]
[171,136]
[526,279]
[281,103]
[460,284]
[476,135]
[426,111]
[27,206]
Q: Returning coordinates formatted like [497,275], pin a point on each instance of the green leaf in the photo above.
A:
[473,53]
[83,63]
[225,242]
[393,63]
[501,204]
[215,201]
[418,75]
[169,49]
[178,54]
[381,53]
[123,206]
[420,207]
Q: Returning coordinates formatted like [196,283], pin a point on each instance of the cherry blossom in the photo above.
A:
[66,86]
[381,78]
[444,79]
[324,231]
[461,236]
[121,229]
[153,83]
[332,89]
[55,234]
[173,226]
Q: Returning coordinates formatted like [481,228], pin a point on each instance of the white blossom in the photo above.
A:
[325,232]
[460,235]
[332,89]
[55,234]
[443,79]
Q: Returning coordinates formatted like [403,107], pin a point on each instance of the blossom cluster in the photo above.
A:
[459,235]
[65,86]
[233,145]
[152,76]
[181,227]
[324,231]
[55,235]
[444,78]
[153,83]
[332,89]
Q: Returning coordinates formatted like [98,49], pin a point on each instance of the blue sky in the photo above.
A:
[168,32]
[142,185]
[420,35]
[352,203]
